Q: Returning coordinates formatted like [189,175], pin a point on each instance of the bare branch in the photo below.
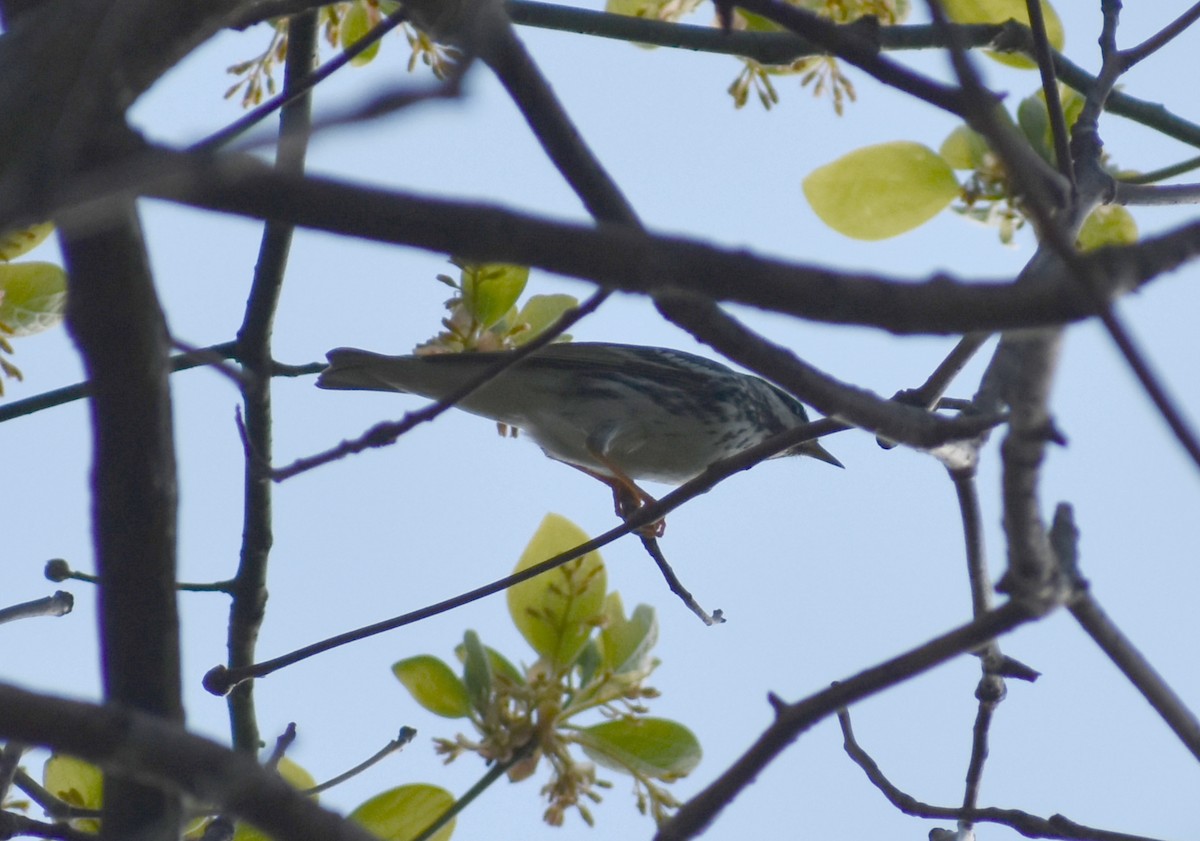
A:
[1113,642]
[1030,826]
[794,719]
[59,604]
[1161,38]
[249,587]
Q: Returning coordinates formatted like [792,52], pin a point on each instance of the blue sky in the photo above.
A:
[820,572]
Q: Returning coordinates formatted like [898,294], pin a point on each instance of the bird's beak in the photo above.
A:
[814,449]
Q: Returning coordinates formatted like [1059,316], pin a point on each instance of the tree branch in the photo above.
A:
[115,319]
[149,749]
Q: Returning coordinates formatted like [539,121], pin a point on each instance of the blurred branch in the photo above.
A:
[1045,62]
[114,316]
[850,404]
[59,604]
[147,747]
[199,358]
[294,89]
[633,261]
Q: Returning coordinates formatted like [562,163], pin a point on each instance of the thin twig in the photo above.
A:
[1161,38]
[10,762]
[1140,672]
[248,591]
[406,735]
[1045,63]
[220,679]
[494,773]
[929,394]
[385,434]
[652,548]
[301,87]
[1161,174]
[1031,826]
[285,740]
[59,604]
[67,394]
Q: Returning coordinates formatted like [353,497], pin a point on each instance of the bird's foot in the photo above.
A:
[628,503]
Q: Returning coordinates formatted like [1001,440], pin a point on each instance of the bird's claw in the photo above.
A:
[627,505]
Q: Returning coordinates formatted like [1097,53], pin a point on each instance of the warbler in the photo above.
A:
[620,413]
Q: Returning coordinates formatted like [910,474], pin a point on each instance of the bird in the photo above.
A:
[620,413]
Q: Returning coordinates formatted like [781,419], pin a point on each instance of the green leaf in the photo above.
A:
[881,191]
[627,642]
[491,290]
[477,672]
[654,747]
[500,665]
[1034,118]
[75,782]
[433,685]
[297,777]
[33,297]
[757,23]
[541,311]
[653,9]
[15,243]
[964,148]
[588,662]
[403,813]
[1108,224]
[356,23]
[999,11]
[557,611]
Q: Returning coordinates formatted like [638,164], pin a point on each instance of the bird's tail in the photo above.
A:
[362,370]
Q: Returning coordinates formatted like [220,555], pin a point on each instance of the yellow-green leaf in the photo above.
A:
[477,672]
[655,747]
[1108,224]
[627,642]
[500,665]
[357,23]
[881,191]
[75,782]
[654,9]
[999,11]
[964,148]
[433,685]
[15,243]
[297,777]
[756,23]
[491,290]
[403,813]
[1034,118]
[541,311]
[33,297]
[557,611]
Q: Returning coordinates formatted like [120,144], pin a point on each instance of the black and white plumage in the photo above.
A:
[619,412]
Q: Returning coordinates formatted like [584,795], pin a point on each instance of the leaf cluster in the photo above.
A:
[591,658]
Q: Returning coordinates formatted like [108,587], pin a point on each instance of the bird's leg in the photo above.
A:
[627,496]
